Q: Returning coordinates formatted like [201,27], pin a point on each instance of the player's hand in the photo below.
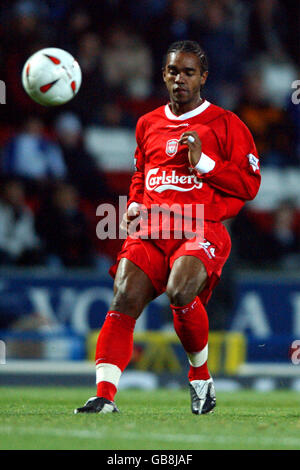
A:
[132,212]
[192,140]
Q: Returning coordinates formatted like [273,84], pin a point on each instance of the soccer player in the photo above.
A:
[189,152]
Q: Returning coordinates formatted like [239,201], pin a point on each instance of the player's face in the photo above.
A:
[183,78]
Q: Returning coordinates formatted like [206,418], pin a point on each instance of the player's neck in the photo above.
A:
[182,108]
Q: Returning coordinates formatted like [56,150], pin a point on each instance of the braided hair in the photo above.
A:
[191,47]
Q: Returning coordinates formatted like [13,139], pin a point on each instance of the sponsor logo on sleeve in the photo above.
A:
[254,161]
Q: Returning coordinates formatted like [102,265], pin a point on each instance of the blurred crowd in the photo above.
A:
[51,183]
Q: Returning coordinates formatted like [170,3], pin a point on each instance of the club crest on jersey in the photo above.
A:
[172,147]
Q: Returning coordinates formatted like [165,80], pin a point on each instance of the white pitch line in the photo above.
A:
[131,435]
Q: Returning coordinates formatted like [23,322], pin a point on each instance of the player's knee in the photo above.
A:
[181,295]
[126,300]
[123,301]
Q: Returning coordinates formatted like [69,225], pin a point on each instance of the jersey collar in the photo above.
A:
[187,115]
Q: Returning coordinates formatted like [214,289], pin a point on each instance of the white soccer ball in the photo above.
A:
[51,76]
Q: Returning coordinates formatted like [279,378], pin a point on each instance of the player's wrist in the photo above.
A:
[133,209]
[133,205]
[205,164]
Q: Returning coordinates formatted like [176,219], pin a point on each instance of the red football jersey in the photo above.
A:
[230,174]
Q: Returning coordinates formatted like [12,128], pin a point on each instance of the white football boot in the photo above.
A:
[203,396]
[98,405]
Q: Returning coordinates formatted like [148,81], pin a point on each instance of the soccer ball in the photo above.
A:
[51,76]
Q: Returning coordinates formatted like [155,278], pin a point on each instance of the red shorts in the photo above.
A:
[156,257]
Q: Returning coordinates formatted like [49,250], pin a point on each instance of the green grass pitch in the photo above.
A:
[42,418]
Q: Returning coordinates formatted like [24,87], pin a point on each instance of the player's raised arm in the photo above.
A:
[239,174]
[192,140]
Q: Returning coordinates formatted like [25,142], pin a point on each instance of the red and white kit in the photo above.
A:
[226,176]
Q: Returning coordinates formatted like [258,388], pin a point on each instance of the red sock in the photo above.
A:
[113,352]
[191,326]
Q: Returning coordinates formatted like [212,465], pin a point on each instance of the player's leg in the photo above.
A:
[187,279]
[133,290]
